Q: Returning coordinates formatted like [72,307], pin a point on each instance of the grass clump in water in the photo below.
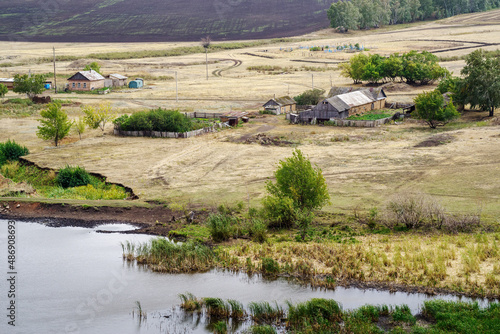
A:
[263,312]
[165,256]
[321,314]
[189,302]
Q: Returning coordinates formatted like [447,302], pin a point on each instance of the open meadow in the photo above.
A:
[363,166]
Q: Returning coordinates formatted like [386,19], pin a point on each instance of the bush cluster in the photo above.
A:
[155,120]
[412,67]
[70,177]
[11,151]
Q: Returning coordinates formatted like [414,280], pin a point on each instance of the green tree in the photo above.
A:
[298,180]
[391,67]
[372,69]
[3,90]
[79,125]
[93,66]
[482,81]
[343,14]
[24,84]
[431,107]
[97,117]
[54,124]
[354,69]
[310,97]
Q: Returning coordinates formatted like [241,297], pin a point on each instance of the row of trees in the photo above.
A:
[412,67]
[364,14]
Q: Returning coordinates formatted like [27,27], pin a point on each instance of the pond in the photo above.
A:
[74,280]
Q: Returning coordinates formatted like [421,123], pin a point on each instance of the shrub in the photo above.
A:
[69,177]
[414,210]
[431,107]
[11,151]
[221,226]
[258,230]
[157,120]
[279,212]
[310,97]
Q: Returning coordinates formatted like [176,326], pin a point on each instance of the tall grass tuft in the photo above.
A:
[221,226]
[264,312]
[321,314]
[189,302]
[263,329]
[11,151]
[237,310]
[165,256]
[217,308]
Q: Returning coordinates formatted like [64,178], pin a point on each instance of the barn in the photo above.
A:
[86,81]
[344,105]
[281,105]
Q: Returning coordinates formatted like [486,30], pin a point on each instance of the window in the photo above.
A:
[78,85]
[73,85]
[84,85]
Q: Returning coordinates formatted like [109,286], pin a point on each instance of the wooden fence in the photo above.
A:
[159,134]
[365,124]
[202,115]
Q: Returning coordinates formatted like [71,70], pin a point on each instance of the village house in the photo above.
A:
[348,102]
[281,105]
[8,82]
[86,81]
[115,80]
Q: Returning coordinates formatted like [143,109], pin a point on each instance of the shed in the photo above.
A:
[85,81]
[135,84]
[116,80]
[233,117]
[8,82]
[281,105]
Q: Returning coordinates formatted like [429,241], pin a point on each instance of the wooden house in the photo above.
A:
[8,82]
[86,81]
[344,105]
[284,104]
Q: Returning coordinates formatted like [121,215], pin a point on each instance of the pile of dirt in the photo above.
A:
[396,87]
[265,140]
[436,140]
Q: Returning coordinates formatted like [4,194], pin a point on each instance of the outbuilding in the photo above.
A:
[137,83]
[115,80]
[8,82]
[284,104]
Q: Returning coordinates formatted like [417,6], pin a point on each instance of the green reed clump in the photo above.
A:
[165,256]
[270,267]
[189,302]
[403,314]
[220,327]
[460,317]
[320,314]
[265,312]
[263,329]
[237,309]
[221,226]
[217,308]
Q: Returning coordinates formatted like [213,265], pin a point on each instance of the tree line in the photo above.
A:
[412,67]
[365,14]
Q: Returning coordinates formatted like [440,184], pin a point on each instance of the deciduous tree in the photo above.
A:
[431,107]
[3,90]
[482,81]
[93,66]
[343,14]
[24,84]
[97,117]
[54,124]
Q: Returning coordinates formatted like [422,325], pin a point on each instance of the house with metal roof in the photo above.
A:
[345,104]
[86,81]
[284,104]
[8,82]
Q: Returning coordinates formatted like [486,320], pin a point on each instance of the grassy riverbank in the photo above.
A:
[327,316]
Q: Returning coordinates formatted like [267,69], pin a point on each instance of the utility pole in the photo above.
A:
[55,80]
[176,88]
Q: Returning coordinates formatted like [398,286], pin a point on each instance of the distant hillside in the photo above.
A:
[158,20]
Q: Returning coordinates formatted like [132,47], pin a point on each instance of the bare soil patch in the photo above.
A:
[436,140]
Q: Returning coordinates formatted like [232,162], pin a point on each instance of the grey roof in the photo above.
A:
[118,76]
[377,92]
[338,104]
[282,101]
[6,79]
[357,98]
[90,75]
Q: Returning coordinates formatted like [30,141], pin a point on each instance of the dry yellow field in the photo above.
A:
[363,167]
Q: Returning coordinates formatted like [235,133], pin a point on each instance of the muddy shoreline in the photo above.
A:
[158,220]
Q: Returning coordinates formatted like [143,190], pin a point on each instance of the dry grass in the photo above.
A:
[461,263]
